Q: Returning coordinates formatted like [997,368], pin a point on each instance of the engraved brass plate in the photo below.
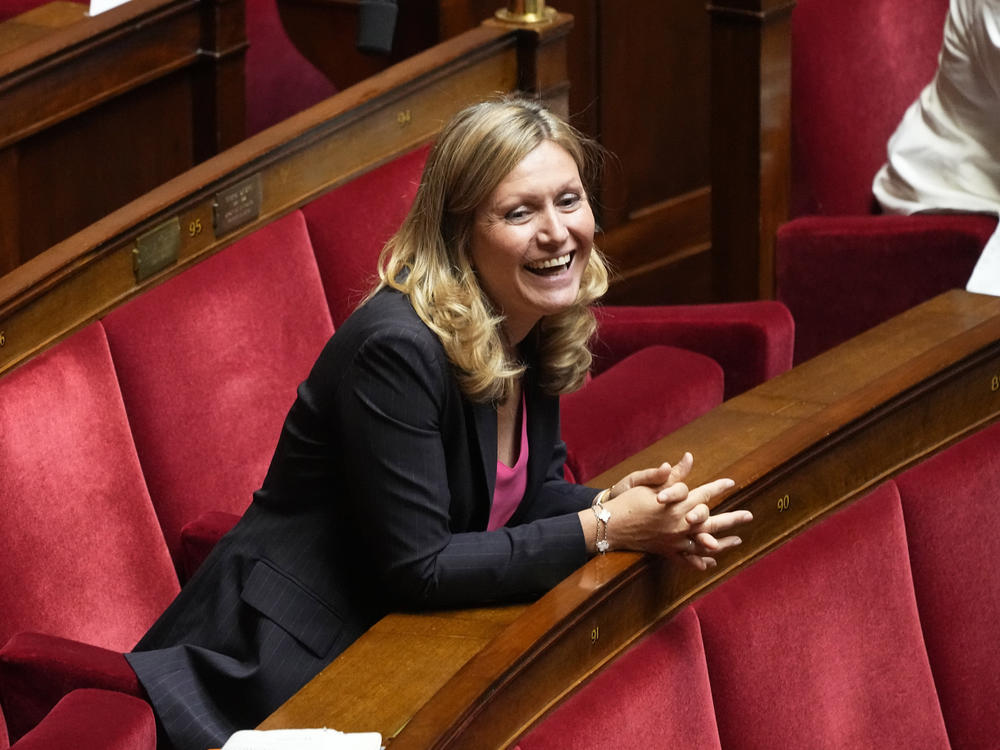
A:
[156,249]
[236,205]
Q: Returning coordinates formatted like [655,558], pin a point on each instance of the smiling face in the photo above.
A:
[531,239]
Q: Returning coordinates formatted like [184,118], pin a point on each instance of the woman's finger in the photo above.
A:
[722,521]
[699,562]
[698,515]
[654,477]
[714,545]
[709,490]
[681,469]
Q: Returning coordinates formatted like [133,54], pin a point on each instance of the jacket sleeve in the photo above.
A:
[410,501]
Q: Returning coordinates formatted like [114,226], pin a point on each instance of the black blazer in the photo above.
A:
[377,499]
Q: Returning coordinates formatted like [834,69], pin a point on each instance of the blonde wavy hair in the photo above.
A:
[428,258]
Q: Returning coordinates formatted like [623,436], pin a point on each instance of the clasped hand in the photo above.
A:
[653,510]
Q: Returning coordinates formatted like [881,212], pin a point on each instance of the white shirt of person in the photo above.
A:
[945,154]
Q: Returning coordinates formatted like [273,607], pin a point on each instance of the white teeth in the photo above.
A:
[562,260]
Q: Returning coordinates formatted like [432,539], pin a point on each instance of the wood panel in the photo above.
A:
[750,141]
[798,447]
[639,76]
[97,111]
[85,276]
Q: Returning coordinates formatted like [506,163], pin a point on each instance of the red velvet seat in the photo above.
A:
[209,363]
[87,719]
[819,644]
[874,628]
[947,502]
[676,381]
[856,67]
[656,696]
[279,81]
[85,567]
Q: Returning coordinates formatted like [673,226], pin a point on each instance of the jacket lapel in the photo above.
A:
[485,417]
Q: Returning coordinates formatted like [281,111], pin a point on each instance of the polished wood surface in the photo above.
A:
[94,112]
[750,141]
[84,277]
[799,447]
[640,86]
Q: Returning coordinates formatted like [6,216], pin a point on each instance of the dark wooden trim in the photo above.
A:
[87,275]
[751,146]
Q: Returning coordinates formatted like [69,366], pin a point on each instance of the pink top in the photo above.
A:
[511,482]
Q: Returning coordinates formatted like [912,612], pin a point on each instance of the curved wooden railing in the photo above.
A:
[798,446]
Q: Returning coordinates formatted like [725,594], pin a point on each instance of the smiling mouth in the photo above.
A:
[551,266]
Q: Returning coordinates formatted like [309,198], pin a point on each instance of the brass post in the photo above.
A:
[526,11]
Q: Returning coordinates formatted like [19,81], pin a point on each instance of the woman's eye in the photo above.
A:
[569,200]
[517,215]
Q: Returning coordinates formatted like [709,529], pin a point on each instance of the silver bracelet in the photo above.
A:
[603,516]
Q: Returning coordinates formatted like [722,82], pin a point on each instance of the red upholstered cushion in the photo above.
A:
[92,720]
[37,670]
[350,225]
[642,398]
[841,275]
[752,341]
[947,505]
[856,66]
[656,695]
[279,80]
[209,363]
[83,557]
[819,645]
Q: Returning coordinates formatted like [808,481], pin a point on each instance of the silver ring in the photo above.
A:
[691,544]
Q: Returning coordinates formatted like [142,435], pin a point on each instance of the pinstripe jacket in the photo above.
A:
[377,499]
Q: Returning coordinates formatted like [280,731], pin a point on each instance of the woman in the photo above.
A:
[421,464]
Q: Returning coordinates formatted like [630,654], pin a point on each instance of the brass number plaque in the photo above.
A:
[595,634]
[3,338]
[237,205]
[404,117]
[784,503]
[995,383]
[156,249]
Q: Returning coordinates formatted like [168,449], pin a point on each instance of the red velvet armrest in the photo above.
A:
[752,341]
[94,719]
[841,275]
[37,670]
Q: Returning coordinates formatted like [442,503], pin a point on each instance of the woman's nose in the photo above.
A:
[552,228]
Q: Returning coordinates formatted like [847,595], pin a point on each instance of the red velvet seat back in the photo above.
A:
[350,225]
[949,502]
[656,696]
[280,81]
[674,387]
[819,643]
[209,362]
[856,66]
[83,557]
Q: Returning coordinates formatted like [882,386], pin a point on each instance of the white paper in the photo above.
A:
[99,6]
[985,278]
[306,739]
